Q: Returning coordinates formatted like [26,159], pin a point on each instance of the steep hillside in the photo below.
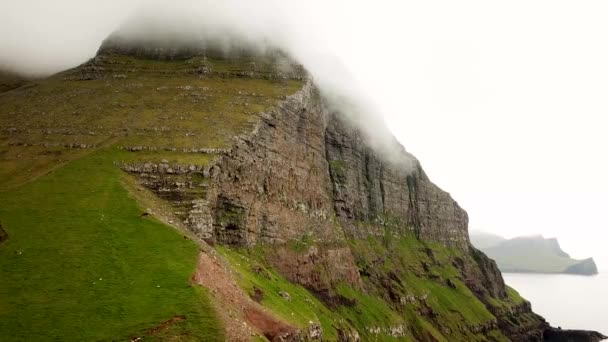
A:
[83,261]
[170,194]
[536,254]
[10,80]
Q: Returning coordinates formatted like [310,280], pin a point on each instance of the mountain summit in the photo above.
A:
[184,194]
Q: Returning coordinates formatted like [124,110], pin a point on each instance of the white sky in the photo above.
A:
[504,103]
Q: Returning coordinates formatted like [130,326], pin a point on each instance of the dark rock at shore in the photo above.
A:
[559,335]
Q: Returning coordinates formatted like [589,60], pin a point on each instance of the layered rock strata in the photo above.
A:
[305,172]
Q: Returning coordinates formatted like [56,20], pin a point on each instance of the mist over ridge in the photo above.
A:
[278,128]
[469,92]
[213,28]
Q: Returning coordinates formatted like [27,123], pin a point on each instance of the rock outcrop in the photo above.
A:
[305,170]
[559,335]
[305,173]
[370,186]
[308,228]
[3,234]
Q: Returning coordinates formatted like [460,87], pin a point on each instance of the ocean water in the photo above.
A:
[569,301]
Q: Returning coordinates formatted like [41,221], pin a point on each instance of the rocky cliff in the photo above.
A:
[307,230]
[306,175]
[302,170]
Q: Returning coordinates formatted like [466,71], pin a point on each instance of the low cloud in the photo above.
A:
[229,24]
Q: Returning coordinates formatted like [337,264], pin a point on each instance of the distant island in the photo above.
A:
[530,254]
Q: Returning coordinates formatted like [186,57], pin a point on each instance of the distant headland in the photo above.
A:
[531,254]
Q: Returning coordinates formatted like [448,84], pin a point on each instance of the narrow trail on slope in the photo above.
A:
[242,317]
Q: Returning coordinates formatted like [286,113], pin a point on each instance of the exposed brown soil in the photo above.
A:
[159,328]
[268,325]
[165,325]
[242,317]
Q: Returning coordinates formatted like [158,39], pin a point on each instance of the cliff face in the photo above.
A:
[370,187]
[304,173]
[273,185]
[304,170]
[305,229]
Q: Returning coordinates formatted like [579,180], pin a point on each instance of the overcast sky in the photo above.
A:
[504,103]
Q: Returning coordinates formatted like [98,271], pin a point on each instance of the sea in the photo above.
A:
[567,301]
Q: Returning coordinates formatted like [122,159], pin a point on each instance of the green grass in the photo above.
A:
[160,104]
[404,256]
[302,308]
[82,265]
[370,312]
[444,299]
[514,296]
[454,307]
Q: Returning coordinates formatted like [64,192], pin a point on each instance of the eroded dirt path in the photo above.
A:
[243,318]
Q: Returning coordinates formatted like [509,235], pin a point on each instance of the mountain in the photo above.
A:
[10,80]
[483,240]
[171,193]
[532,254]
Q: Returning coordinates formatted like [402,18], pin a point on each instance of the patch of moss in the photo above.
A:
[338,168]
[514,296]
[423,282]
[301,244]
[371,314]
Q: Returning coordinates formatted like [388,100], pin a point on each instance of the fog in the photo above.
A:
[503,103]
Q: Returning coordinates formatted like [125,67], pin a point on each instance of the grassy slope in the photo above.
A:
[404,257]
[10,80]
[302,308]
[161,104]
[454,307]
[81,264]
[77,224]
